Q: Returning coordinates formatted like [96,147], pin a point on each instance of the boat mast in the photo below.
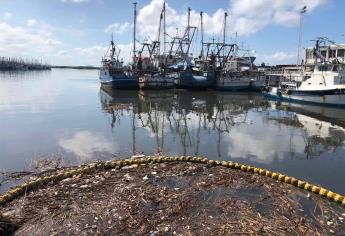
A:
[202,35]
[185,41]
[236,46]
[224,33]
[224,30]
[188,24]
[112,47]
[134,28]
[159,33]
[303,10]
[164,28]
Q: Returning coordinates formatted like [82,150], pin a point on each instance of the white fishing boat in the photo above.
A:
[324,85]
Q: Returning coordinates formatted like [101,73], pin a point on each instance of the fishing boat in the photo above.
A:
[239,75]
[198,75]
[324,85]
[158,80]
[194,78]
[236,73]
[150,69]
[113,73]
[152,61]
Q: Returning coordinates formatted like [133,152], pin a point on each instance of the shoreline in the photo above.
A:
[77,67]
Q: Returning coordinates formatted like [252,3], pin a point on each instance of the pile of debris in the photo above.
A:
[171,198]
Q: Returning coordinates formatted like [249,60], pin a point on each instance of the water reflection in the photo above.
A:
[221,125]
[86,145]
[65,113]
[27,91]
[323,127]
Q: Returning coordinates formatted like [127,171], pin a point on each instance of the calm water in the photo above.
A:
[65,113]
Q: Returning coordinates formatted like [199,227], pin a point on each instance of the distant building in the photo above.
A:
[330,52]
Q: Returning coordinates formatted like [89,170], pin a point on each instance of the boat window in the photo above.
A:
[309,83]
[105,73]
[332,53]
[323,53]
[309,54]
[324,68]
[341,52]
[320,83]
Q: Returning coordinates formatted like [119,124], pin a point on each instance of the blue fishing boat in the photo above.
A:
[199,73]
[192,78]
[113,73]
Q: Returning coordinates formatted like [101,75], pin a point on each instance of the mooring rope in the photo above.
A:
[86,169]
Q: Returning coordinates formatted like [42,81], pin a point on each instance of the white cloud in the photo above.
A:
[126,52]
[91,51]
[92,55]
[78,56]
[7,15]
[31,22]
[245,16]
[250,16]
[117,28]
[148,19]
[22,42]
[85,144]
[263,149]
[62,53]
[279,57]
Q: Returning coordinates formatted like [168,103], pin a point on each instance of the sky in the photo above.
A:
[77,32]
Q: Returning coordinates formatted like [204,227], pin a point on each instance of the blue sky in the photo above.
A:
[76,32]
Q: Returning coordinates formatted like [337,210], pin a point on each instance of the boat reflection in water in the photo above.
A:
[223,125]
[179,122]
[324,127]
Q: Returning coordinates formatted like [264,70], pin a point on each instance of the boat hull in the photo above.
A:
[186,80]
[241,86]
[120,82]
[225,83]
[326,98]
[156,82]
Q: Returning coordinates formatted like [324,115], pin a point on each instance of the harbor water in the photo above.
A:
[65,113]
